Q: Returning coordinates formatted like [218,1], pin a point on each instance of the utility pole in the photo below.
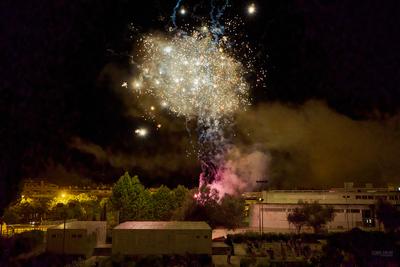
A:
[261,204]
[63,244]
[261,215]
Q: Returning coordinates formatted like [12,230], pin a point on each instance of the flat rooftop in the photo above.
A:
[79,225]
[171,225]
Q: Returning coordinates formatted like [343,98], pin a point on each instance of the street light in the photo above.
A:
[261,216]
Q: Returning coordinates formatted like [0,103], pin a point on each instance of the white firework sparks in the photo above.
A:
[196,77]
[193,76]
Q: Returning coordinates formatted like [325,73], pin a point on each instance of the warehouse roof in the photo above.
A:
[157,225]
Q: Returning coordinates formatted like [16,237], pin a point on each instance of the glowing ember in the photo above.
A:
[141,132]
[251,9]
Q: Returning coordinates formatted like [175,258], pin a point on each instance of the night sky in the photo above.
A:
[327,113]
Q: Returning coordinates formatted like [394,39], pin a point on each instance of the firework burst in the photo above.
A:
[197,76]
[193,75]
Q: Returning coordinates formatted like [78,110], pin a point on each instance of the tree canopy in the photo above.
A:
[388,215]
[312,214]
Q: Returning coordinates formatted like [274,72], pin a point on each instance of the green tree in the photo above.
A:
[317,215]
[388,215]
[11,215]
[180,194]
[298,218]
[205,205]
[232,211]
[71,210]
[131,199]
[163,203]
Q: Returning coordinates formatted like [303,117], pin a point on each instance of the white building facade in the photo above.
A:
[161,237]
[77,238]
[354,207]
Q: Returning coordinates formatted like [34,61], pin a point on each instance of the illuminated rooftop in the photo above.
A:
[171,225]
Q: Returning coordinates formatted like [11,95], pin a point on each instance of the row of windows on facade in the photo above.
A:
[61,235]
[376,197]
[290,210]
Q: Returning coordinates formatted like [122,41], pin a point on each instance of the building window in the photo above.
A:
[273,209]
[197,236]
[364,197]
[370,197]
[79,236]
[358,197]
[206,236]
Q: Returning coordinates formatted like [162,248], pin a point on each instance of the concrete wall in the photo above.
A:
[77,241]
[328,197]
[275,216]
[80,238]
[161,241]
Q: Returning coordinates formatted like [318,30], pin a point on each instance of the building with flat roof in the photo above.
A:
[165,237]
[77,238]
[41,189]
[354,207]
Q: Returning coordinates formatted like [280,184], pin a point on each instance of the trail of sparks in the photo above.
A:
[173,16]
[217,29]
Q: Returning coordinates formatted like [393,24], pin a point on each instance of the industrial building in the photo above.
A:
[76,238]
[354,207]
[166,237]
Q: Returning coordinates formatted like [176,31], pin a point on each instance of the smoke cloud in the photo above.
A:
[241,171]
[157,162]
[307,146]
[314,146]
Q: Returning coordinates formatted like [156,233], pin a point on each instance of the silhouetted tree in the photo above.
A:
[313,214]
[205,205]
[318,215]
[388,215]
[298,218]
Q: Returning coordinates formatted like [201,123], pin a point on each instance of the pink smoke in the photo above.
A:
[240,172]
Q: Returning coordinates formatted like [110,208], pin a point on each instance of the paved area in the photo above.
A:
[221,260]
